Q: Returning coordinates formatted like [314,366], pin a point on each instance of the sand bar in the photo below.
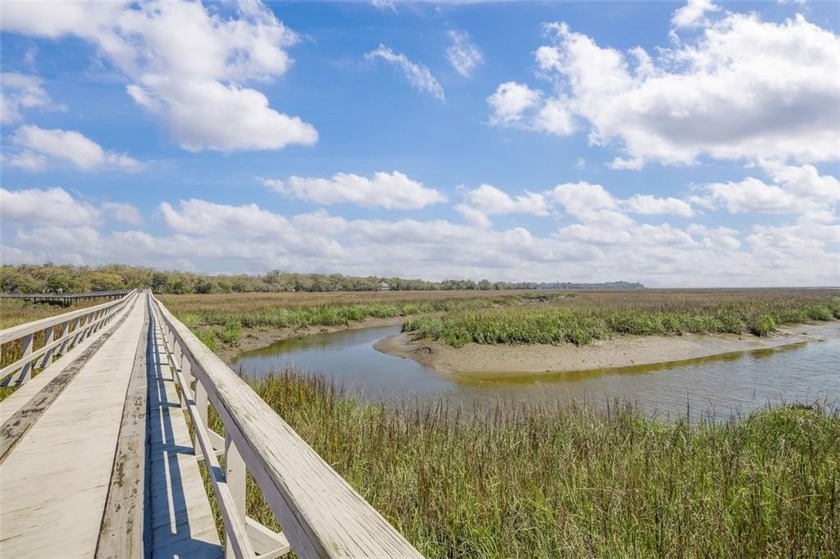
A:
[621,351]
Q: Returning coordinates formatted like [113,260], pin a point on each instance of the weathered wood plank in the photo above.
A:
[121,532]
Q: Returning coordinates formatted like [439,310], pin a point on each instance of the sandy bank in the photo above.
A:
[621,351]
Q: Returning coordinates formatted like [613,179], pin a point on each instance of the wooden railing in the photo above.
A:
[60,334]
[65,298]
[320,514]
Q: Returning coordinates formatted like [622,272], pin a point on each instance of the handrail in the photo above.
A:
[83,295]
[321,515]
[84,323]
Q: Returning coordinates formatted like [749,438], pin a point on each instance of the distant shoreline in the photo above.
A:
[621,351]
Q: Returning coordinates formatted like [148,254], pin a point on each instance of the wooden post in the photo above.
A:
[26,371]
[235,479]
[49,336]
[77,331]
[65,328]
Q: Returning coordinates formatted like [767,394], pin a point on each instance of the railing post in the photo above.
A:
[235,479]
[26,371]
[49,336]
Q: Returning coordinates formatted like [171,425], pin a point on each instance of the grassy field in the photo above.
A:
[574,482]
[595,316]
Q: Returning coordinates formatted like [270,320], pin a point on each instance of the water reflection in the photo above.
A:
[718,386]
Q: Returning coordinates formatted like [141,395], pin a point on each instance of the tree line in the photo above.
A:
[51,278]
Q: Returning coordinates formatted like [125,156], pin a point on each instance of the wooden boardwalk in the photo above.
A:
[56,480]
[96,458]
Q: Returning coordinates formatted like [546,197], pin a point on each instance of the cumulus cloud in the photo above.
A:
[36,217]
[122,212]
[42,207]
[595,241]
[646,204]
[20,92]
[516,104]
[185,64]
[463,54]
[693,14]
[488,200]
[739,89]
[393,191]
[38,146]
[792,190]
[419,76]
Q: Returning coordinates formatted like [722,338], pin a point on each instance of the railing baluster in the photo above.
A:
[26,371]
[49,336]
[65,329]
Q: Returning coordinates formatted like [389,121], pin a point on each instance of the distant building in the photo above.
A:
[384,286]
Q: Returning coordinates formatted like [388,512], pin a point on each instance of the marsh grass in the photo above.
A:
[221,319]
[573,481]
[581,320]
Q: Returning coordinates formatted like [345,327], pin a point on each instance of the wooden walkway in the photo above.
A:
[64,480]
[96,459]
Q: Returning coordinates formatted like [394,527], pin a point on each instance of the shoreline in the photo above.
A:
[618,352]
[258,338]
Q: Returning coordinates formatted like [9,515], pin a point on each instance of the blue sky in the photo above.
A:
[675,144]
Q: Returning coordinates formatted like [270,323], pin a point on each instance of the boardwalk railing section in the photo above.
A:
[66,298]
[43,340]
[320,514]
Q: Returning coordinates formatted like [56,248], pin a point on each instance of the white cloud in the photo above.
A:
[511,101]
[385,190]
[41,207]
[488,200]
[122,212]
[20,92]
[646,204]
[599,243]
[463,54]
[37,146]
[693,14]
[185,64]
[417,75]
[384,5]
[795,190]
[741,89]
[515,104]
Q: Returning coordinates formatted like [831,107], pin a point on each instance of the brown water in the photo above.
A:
[717,387]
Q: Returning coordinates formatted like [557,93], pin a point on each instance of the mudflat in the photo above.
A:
[620,351]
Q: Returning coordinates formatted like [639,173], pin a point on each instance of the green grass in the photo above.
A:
[573,482]
[215,326]
[567,321]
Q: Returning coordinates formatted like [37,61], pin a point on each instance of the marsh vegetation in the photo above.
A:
[584,318]
[573,481]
